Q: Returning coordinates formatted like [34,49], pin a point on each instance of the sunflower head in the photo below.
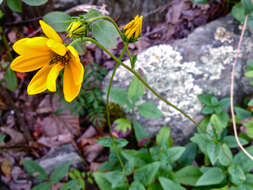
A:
[50,56]
[133,29]
[76,29]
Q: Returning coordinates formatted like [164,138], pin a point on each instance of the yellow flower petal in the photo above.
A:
[133,29]
[50,32]
[52,76]
[76,66]
[70,89]
[27,64]
[57,47]
[31,46]
[38,83]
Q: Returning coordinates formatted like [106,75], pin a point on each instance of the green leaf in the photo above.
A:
[58,20]
[80,48]
[92,13]
[214,101]
[2,137]
[244,161]
[249,128]
[116,178]
[102,182]
[250,102]
[247,5]
[60,172]
[212,176]
[189,154]
[202,141]
[237,175]
[108,142]
[134,59]
[213,151]
[225,156]
[249,74]
[205,99]
[147,173]
[35,2]
[168,184]
[222,188]
[238,12]
[225,102]
[42,186]
[136,90]
[207,110]
[217,124]
[119,96]
[70,185]
[174,153]
[136,157]
[136,185]
[149,110]
[14,5]
[231,142]
[122,124]
[11,79]
[34,169]
[188,175]
[1,16]
[164,135]
[139,131]
[242,113]
[105,33]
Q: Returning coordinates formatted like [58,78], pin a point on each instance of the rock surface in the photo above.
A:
[200,63]
[121,10]
[59,156]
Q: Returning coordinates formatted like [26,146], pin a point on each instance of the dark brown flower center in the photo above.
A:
[55,58]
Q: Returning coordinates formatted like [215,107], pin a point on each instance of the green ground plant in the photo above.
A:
[38,172]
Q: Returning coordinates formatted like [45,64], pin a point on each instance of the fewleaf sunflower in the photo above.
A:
[50,55]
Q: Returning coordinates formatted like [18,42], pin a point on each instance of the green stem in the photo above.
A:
[144,82]
[140,78]
[108,113]
[129,55]
[6,44]
[109,92]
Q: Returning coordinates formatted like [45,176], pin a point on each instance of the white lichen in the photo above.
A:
[174,79]
[223,35]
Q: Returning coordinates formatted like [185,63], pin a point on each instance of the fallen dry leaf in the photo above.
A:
[16,138]
[56,140]
[6,167]
[94,166]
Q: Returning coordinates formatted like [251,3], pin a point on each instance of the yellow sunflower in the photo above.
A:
[133,28]
[50,55]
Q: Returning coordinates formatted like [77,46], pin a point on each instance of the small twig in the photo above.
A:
[232,90]
[20,22]
[8,98]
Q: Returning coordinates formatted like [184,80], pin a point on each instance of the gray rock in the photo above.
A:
[200,63]
[123,10]
[60,155]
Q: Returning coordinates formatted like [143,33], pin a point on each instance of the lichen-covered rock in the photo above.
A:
[200,63]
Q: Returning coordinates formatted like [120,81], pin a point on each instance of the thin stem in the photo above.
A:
[129,55]
[108,112]
[141,79]
[232,90]
[109,92]
[6,44]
